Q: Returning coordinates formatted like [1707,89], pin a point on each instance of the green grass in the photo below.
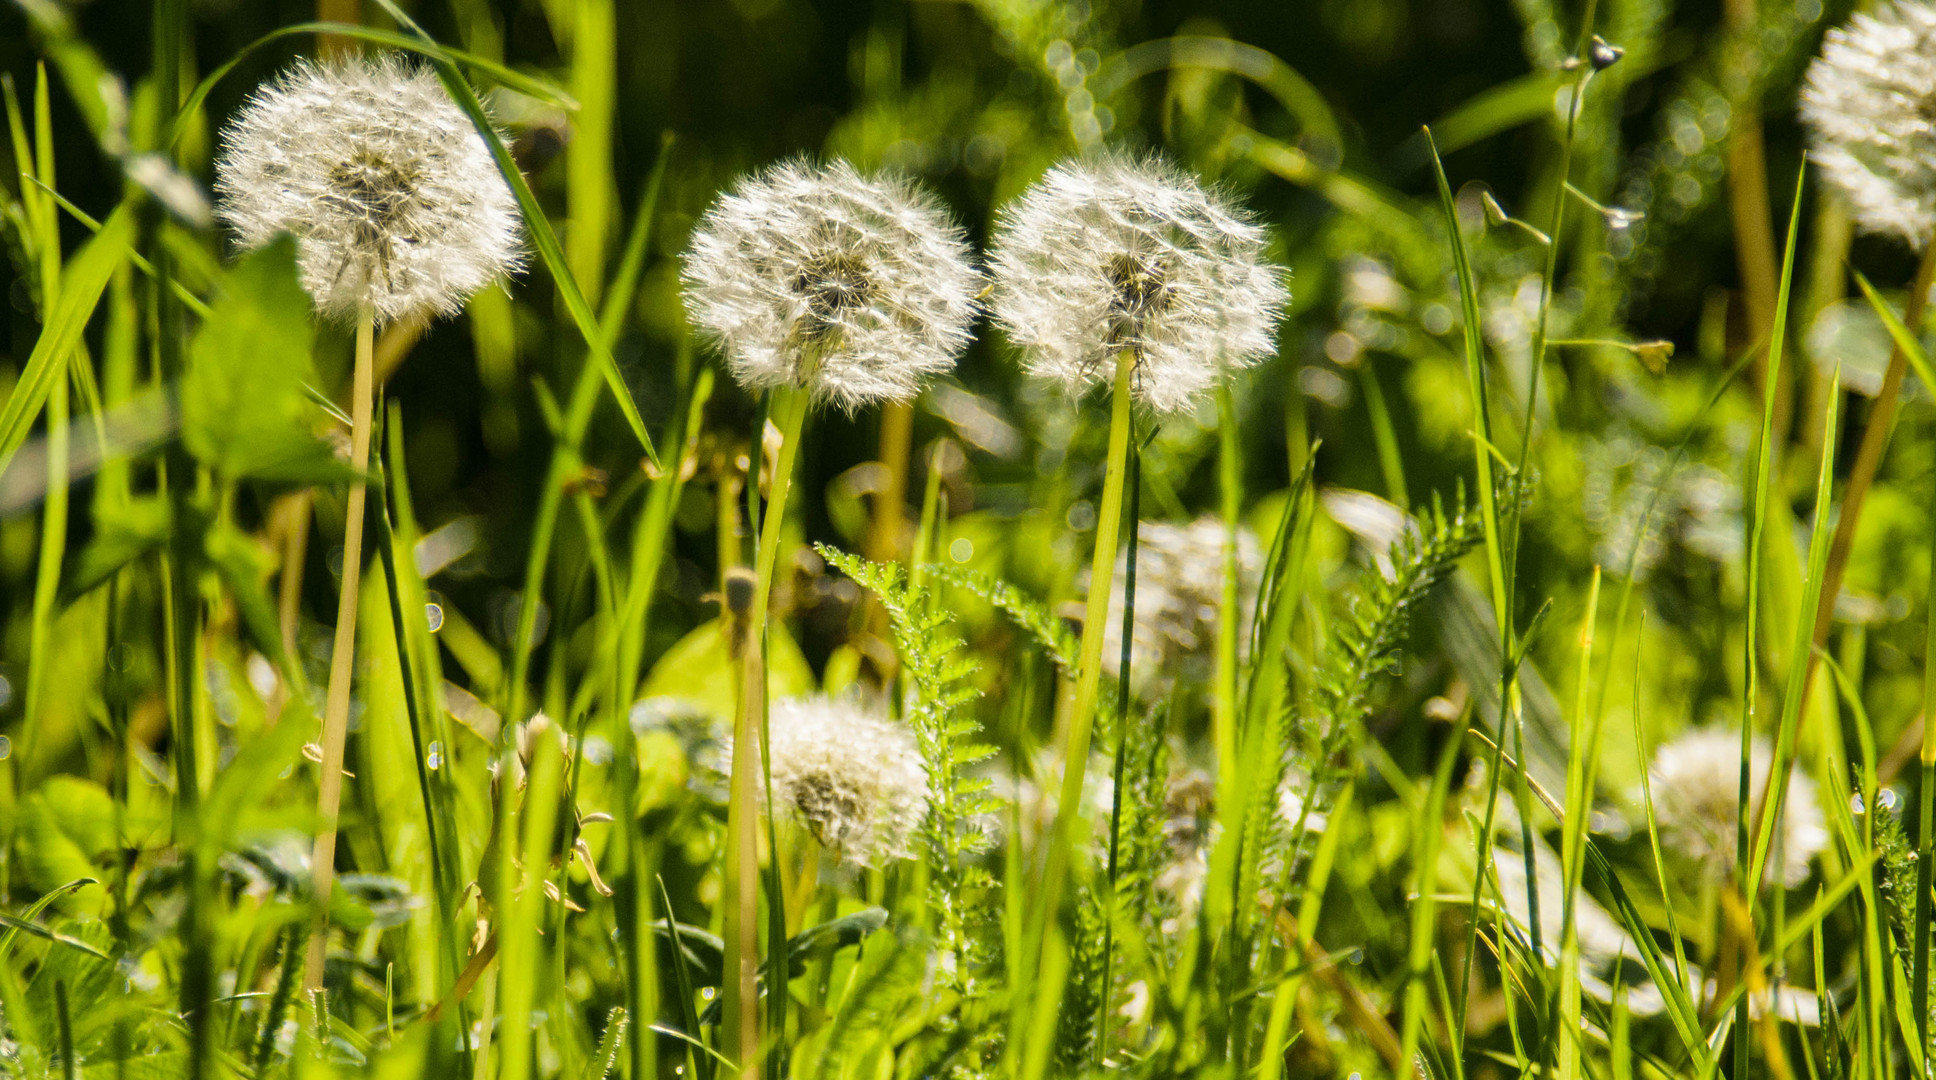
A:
[1384,817]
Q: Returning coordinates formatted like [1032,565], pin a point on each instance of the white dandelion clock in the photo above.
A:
[1696,782]
[852,777]
[399,212]
[1116,254]
[857,289]
[1870,107]
[391,193]
[1179,598]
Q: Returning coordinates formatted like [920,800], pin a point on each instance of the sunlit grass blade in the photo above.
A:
[496,72]
[1800,658]
[550,252]
[84,279]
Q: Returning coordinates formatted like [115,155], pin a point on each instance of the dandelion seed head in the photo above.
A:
[1179,592]
[857,288]
[1122,253]
[1870,106]
[1602,941]
[391,193]
[1696,782]
[853,777]
[1190,830]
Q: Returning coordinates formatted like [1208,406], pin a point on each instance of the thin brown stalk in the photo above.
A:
[887,533]
[336,710]
[1868,457]
[1752,217]
[340,11]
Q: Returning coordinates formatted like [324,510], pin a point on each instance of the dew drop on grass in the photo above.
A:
[435,757]
[1887,798]
[1855,804]
[434,614]
[6,748]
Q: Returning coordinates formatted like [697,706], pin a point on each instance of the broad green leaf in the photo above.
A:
[243,412]
[65,825]
[696,669]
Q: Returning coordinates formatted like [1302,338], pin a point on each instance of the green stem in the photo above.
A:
[342,664]
[1082,717]
[1925,837]
[1122,747]
[740,1034]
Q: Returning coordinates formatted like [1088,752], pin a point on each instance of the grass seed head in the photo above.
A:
[858,289]
[392,194]
[1121,253]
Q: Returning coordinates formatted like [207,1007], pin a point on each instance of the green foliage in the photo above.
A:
[960,892]
[171,522]
[243,412]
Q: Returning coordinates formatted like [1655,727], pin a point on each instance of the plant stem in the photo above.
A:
[1926,849]
[1868,457]
[740,1033]
[342,663]
[295,510]
[1082,717]
[1122,749]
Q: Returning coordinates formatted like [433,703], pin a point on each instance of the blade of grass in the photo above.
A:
[542,236]
[422,683]
[519,964]
[1775,789]
[1758,520]
[496,72]
[85,279]
[1583,755]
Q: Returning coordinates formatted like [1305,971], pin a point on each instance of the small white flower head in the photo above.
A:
[852,777]
[1870,107]
[1602,941]
[1118,253]
[1190,831]
[391,193]
[1179,593]
[857,288]
[1696,782]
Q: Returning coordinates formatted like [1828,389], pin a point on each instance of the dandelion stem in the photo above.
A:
[1075,751]
[741,1031]
[1926,850]
[336,709]
[1122,747]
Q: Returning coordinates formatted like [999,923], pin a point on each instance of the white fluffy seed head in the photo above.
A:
[391,193]
[1697,786]
[1179,593]
[852,777]
[1119,253]
[1870,107]
[858,289]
